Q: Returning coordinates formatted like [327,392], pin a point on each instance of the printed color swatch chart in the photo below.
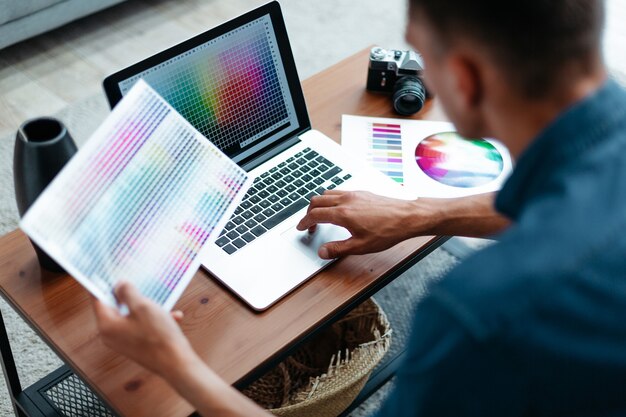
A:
[138,202]
[232,89]
[385,149]
[429,158]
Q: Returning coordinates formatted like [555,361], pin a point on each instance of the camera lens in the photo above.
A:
[409,95]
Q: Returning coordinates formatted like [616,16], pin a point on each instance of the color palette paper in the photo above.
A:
[429,158]
[453,160]
[138,202]
[385,149]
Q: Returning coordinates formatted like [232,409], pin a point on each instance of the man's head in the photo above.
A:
[531,47]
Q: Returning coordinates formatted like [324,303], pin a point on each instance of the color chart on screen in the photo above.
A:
[233,88]
[385,149]
[138,202]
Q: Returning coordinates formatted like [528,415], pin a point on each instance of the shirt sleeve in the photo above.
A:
[447,371]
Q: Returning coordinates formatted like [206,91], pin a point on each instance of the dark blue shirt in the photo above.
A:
[535,325]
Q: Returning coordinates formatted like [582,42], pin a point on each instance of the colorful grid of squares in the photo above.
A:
[138,202]
[232,89]
[385,149]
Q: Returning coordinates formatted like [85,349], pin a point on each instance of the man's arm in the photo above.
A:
[472,216]
[151,337]
[211,396]
[377,223]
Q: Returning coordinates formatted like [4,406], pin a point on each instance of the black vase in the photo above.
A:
[42,147]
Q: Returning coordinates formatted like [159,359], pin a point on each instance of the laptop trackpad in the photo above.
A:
[309,243]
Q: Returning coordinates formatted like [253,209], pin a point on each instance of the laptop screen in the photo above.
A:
[232,88]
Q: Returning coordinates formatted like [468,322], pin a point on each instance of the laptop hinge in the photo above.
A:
[269,154]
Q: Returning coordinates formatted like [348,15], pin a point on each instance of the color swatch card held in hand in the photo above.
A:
[138,202]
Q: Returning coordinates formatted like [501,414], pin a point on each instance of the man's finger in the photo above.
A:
[334,192]
[330,198]
[106,317]
[337,249]
[323,201]
[103,311]
[319,201]
[127,294]
[318,215]
[177,315]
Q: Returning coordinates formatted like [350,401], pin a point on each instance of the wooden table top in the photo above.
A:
[235,341]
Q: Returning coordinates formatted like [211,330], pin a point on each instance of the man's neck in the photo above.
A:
[519,123]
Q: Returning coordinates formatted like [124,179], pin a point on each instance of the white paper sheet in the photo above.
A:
[428,158]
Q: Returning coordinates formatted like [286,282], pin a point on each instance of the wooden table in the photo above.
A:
[236,342]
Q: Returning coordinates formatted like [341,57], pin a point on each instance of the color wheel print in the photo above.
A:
[450,159]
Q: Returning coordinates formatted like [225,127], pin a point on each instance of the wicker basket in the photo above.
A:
[324,376]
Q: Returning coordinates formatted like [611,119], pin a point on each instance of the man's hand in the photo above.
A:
[148,335]
[375,222]
[151,337]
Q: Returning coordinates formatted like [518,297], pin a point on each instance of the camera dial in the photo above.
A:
[378,53]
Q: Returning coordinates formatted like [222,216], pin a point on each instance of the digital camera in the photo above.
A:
[399,73]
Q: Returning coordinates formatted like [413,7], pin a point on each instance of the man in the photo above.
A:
[533,325]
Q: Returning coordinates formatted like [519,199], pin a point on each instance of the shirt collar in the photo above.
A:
[564,140]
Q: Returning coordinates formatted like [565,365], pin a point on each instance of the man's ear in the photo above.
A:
[466,74]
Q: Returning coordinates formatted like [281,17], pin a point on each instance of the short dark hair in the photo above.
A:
[531,39]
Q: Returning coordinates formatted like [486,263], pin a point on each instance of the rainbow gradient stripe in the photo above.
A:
[138,202]
[453,160]
[385,149]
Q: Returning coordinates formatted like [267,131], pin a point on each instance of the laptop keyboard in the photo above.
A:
[277,194]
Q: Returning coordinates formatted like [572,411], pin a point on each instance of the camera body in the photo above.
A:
[399,73]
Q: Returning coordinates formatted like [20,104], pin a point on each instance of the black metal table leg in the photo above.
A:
[59,394]
[8,368]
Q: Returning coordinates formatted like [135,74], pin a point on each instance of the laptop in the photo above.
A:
[238,85]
